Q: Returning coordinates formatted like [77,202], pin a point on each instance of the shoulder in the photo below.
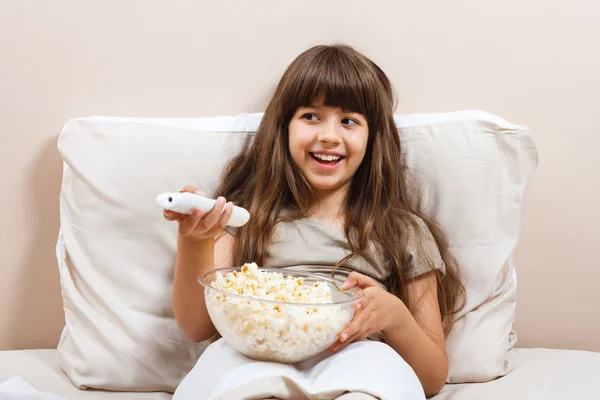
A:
[423,250]
[417,229]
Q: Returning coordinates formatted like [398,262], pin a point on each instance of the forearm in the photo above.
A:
[418,349]
[193,259]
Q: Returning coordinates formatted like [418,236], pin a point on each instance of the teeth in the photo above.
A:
[326,157]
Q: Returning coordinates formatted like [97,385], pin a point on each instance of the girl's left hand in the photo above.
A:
[376,312]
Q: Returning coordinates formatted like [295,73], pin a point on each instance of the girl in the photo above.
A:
[325,172]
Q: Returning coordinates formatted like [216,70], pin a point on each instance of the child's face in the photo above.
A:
[327,144]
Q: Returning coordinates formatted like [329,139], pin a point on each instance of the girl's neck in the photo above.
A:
[330,207]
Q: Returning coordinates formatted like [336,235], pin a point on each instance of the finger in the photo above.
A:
[189,188]
[188,223]
[353,327]
[359,335]
[336,346]
[222,223]
[192,189]
[369,318]
[171,215]
[168,215]
[363,302]
[360,304]
[358,279]
[213,216]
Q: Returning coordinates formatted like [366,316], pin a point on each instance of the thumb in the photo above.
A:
[358,279]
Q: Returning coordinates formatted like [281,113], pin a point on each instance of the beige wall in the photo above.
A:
[535,63]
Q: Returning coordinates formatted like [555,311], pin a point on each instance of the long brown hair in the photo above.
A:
[264,180]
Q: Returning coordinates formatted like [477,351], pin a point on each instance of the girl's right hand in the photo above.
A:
[199,226]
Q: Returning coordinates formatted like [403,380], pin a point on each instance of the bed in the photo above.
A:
[127,347]
[534,374]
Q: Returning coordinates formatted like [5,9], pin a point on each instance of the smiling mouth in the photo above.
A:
[326,159]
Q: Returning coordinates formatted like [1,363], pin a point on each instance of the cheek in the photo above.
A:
[299,140]
[359,147]
[295,145]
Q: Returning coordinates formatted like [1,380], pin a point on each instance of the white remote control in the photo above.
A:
[186,202]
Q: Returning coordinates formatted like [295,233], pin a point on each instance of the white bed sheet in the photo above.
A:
[535,374]
[41,369]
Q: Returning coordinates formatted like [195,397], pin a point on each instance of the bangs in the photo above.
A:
[335,77]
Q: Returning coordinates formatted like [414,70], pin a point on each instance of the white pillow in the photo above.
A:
[116,253]
[475,171]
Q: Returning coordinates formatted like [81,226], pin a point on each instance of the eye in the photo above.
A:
[310,117]
[349,121]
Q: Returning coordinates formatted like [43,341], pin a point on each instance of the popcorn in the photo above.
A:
[289,332]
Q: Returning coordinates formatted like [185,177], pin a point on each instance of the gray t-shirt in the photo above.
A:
[308,244]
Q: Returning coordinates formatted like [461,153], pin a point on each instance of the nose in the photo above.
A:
[330,134]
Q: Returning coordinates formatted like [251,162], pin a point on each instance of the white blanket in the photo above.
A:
[17,389]
[366,366]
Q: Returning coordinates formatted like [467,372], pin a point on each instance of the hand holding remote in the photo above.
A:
[199,217]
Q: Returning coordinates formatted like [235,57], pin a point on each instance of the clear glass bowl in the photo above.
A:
[279,331]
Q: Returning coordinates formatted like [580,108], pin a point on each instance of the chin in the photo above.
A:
[325,185]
